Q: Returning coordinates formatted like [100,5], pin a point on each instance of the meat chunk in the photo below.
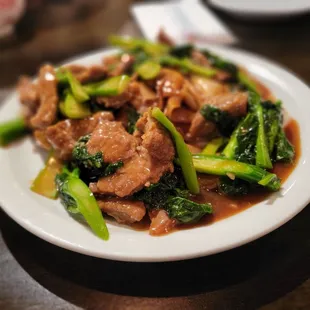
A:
[113,141]
[161,223]
[128,179]
[169,83]
[153,157]
[63,135]
[47,89]
[124,211]
[115,102]
[29,97]
[143,97]
[121,65]
[233,103]
[87,74]
[158,144]
[200,129]
[41,140]
[164,38]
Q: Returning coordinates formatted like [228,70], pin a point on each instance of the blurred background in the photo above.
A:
[36,31]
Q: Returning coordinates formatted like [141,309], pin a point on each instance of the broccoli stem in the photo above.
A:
[77,89]
[187,65]
[230,149]
[148,70]
[246,81]
[185,158]
[111,87]
[44,183]
[74,109]
[78,198]
[221,166]
[12,130]
[128,43]
[212,147]
[262,152]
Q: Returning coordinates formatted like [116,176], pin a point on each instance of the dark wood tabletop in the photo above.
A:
[269,273]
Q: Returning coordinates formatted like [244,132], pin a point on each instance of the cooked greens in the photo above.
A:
[12,130]
[78,199]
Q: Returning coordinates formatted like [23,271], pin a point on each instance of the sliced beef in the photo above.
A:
[125,63]
[29,97]
[47,89]
[161,223]
[128,179]
[199,58]
[115,102]
[143,97]
[190,98]
[124,211]
[200,128]
[233,103]
[41,140]
[158,144]
[153,157]
[113,141]
[86,74]
[63,135]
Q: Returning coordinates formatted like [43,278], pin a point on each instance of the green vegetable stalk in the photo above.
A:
[128,43]
[110,87]
[148,70]
[78,199]
[12,130]
[284,149]
[212,147]
[183,152]
[262,152]
[187,65]
[76,88]
[221,166]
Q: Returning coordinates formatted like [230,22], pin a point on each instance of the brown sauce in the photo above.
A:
[224,206]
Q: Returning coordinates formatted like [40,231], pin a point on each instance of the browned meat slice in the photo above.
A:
[161,223]
[169,83]
[200,128]
[164,38]
[152,158]
[115,102]
[233,103]
[124,211]
[158,144]
[47,89]
[113,141]
[128,179]
[199,58]
[190,98]
[87,74]
[143,97]
[182,116]
[126,61]
[41,140]
[29,97]
[63,135]
[194,149]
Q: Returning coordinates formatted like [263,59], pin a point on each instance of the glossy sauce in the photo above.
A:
[224,206]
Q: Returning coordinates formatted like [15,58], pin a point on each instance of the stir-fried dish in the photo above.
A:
[157,133]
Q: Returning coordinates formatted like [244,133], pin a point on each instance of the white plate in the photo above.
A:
[263,8]
[49,220]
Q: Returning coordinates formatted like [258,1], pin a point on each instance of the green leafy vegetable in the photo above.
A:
[186,211]
[245,80]
[236,187]
[181,51]
[220,63]
[12,130]
[78,199]
[224,121]
[92,166]
[221,166]
[183,152]
[133,116]
[284,149]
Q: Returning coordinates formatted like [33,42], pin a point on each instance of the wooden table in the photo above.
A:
[272,272]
